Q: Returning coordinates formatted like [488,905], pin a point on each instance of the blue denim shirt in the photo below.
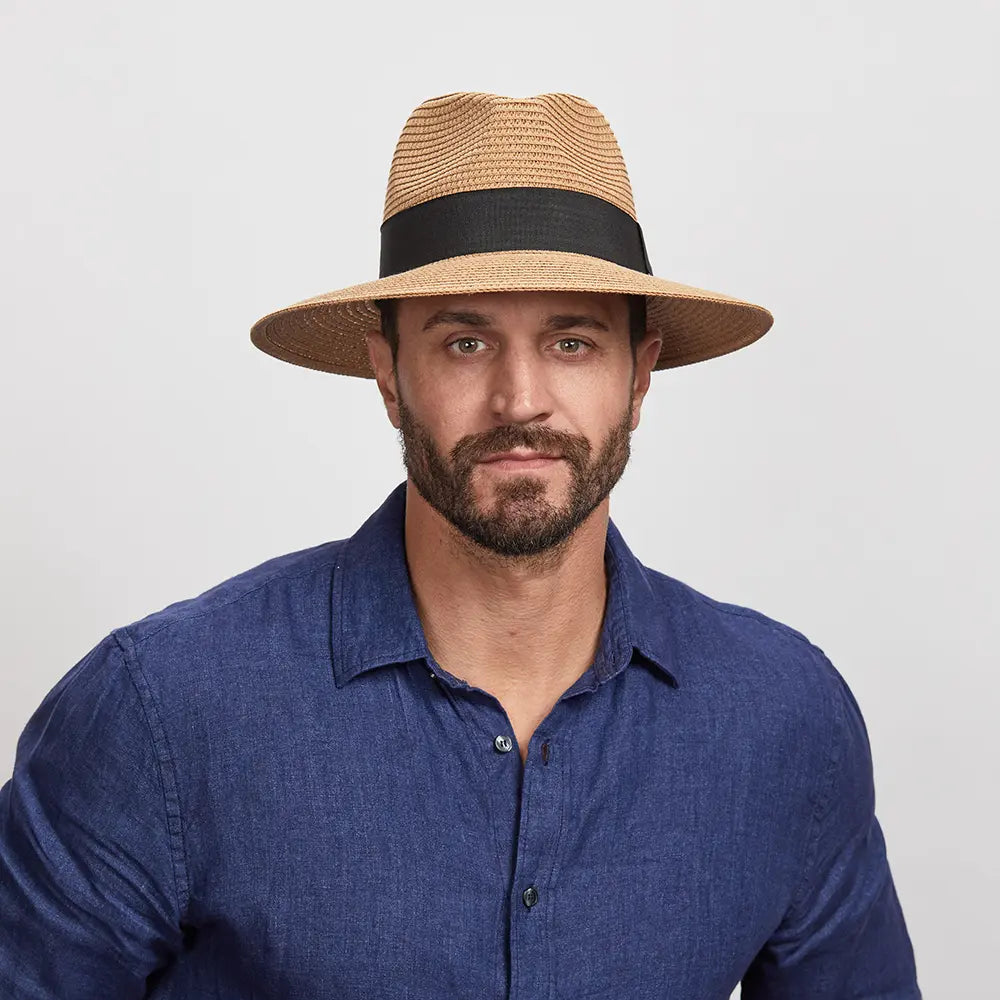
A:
[272,791]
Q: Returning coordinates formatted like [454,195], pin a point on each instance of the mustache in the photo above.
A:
[476,447]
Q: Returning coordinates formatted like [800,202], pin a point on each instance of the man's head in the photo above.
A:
[551,380]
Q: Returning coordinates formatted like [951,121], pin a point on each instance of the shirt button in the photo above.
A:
[530,896]
[503,744]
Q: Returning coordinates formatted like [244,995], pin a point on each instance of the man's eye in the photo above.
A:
[570,345]
[466,345]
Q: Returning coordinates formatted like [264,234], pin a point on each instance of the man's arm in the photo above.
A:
[89,897]
[844,934]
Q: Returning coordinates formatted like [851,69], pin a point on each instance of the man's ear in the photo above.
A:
[647,353]
[380,356]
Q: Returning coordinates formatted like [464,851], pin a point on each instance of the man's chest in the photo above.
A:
[411,855]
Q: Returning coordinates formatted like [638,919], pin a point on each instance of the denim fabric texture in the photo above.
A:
[272,791]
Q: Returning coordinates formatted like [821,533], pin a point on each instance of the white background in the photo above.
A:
[169,173]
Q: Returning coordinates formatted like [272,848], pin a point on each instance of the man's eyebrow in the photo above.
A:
[443,316]
[560,321]
[568,320]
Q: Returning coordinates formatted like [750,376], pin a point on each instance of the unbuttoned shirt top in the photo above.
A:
[273,791]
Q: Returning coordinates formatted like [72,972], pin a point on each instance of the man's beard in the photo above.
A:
[521,522]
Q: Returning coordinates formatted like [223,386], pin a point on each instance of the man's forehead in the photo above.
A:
[498,304]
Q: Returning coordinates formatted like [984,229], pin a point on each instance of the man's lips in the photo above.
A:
[521,459]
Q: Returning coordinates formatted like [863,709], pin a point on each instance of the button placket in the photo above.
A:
[539,844]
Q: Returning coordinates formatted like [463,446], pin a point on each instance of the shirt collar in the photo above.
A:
[374,619]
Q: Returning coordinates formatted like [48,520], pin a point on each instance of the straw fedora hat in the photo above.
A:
[490,194]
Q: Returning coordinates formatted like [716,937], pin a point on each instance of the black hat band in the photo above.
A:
[515,218]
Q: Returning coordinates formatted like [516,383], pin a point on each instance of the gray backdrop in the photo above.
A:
[170,173]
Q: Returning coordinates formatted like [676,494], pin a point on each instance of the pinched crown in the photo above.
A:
[472,141]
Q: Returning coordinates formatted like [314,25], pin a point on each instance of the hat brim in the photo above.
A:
[326,332]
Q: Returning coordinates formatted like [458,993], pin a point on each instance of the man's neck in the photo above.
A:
[519,628]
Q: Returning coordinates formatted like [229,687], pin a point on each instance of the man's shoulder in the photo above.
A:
[770,680]
[237,600]
[727,642]
[689,606]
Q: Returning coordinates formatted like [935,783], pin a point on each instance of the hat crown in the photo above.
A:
[473,141]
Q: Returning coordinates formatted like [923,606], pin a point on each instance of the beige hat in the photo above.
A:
[491,194]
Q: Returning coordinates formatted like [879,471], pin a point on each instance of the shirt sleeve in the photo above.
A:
[89,901]
[844,934]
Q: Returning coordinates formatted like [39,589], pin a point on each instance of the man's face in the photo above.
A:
[515,409]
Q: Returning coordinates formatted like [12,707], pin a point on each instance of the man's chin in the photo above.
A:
[515,536]
[518,490]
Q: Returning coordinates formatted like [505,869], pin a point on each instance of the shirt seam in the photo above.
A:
[165,766]
[823,795]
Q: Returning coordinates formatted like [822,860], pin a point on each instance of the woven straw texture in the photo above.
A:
[473,141]
[469,142]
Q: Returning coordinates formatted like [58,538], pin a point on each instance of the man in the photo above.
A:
[301,783]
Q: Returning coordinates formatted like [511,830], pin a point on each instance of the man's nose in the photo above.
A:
[519,392]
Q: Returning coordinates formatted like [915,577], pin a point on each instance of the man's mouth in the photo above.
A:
[521,458]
